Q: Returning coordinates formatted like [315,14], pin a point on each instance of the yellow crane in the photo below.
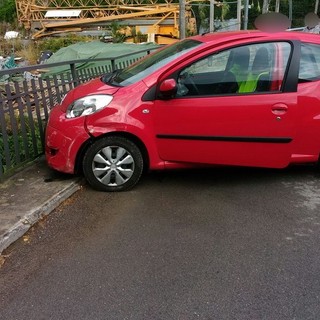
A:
[48,17]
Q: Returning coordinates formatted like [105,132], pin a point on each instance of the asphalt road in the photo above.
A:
[223,243]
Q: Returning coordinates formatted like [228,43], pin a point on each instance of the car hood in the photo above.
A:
[92,87]
[95,86]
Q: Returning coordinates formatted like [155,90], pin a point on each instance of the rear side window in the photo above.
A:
[309,63]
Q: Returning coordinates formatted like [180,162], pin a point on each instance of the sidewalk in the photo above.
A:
[28,196]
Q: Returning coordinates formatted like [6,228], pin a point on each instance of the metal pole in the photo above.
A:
[265,6]
[290,10]
[239,14]
[211,20]
[246,14]
[74,74]
[182,18]
[316,7]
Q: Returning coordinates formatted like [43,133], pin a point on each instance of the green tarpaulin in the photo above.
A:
[95,50]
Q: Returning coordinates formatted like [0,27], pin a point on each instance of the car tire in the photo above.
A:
[113,164]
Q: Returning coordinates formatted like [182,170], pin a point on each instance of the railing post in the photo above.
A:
[113,64]
[74,74]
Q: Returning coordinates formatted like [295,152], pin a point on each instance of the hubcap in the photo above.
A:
[113,166]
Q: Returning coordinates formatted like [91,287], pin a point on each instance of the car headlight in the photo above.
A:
[87,105]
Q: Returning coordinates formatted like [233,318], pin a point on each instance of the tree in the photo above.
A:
[8,11]
[296,10]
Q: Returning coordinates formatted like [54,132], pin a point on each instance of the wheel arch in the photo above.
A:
[129,136]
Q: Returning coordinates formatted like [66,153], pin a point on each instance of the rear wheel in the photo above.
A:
[113,164]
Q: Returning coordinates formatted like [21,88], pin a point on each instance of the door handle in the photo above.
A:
[279,109]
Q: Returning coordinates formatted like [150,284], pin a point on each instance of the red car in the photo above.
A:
[244,98]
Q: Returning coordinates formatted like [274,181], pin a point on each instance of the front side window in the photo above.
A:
[240,70]
[146,66]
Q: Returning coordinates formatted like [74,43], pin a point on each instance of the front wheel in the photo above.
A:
[113,164]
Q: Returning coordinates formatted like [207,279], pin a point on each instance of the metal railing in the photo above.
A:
[26,98]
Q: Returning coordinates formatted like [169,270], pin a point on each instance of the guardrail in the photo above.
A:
[27,96]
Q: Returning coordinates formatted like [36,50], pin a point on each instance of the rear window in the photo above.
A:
[309,63]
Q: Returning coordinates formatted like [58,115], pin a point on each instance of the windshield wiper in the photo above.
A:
[108,78]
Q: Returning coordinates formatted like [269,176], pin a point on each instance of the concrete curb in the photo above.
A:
[36,214]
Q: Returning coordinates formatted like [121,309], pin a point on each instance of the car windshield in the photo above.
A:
[146,66]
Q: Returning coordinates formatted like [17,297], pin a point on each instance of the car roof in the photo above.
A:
[245,35]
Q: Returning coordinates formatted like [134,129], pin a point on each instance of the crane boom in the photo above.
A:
[49,17]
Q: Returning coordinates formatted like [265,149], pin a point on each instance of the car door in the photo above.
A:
[253,128]
[307,140]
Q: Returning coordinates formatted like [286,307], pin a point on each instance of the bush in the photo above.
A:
[9,47]
[29,54]
[54,44]
[8,11]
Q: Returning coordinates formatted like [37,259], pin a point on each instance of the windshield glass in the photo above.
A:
[153,62]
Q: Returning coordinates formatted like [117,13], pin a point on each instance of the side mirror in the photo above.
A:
[168,88]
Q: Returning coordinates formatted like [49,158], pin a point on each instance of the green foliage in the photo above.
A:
[225,8]
[29,132]
[55,43]
[253,13]
[117,35]
[203,12]
[299,10]
[8,11]
[138,36]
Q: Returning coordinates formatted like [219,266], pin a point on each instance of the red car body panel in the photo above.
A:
[241,120]
[283,129]
[64,139]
